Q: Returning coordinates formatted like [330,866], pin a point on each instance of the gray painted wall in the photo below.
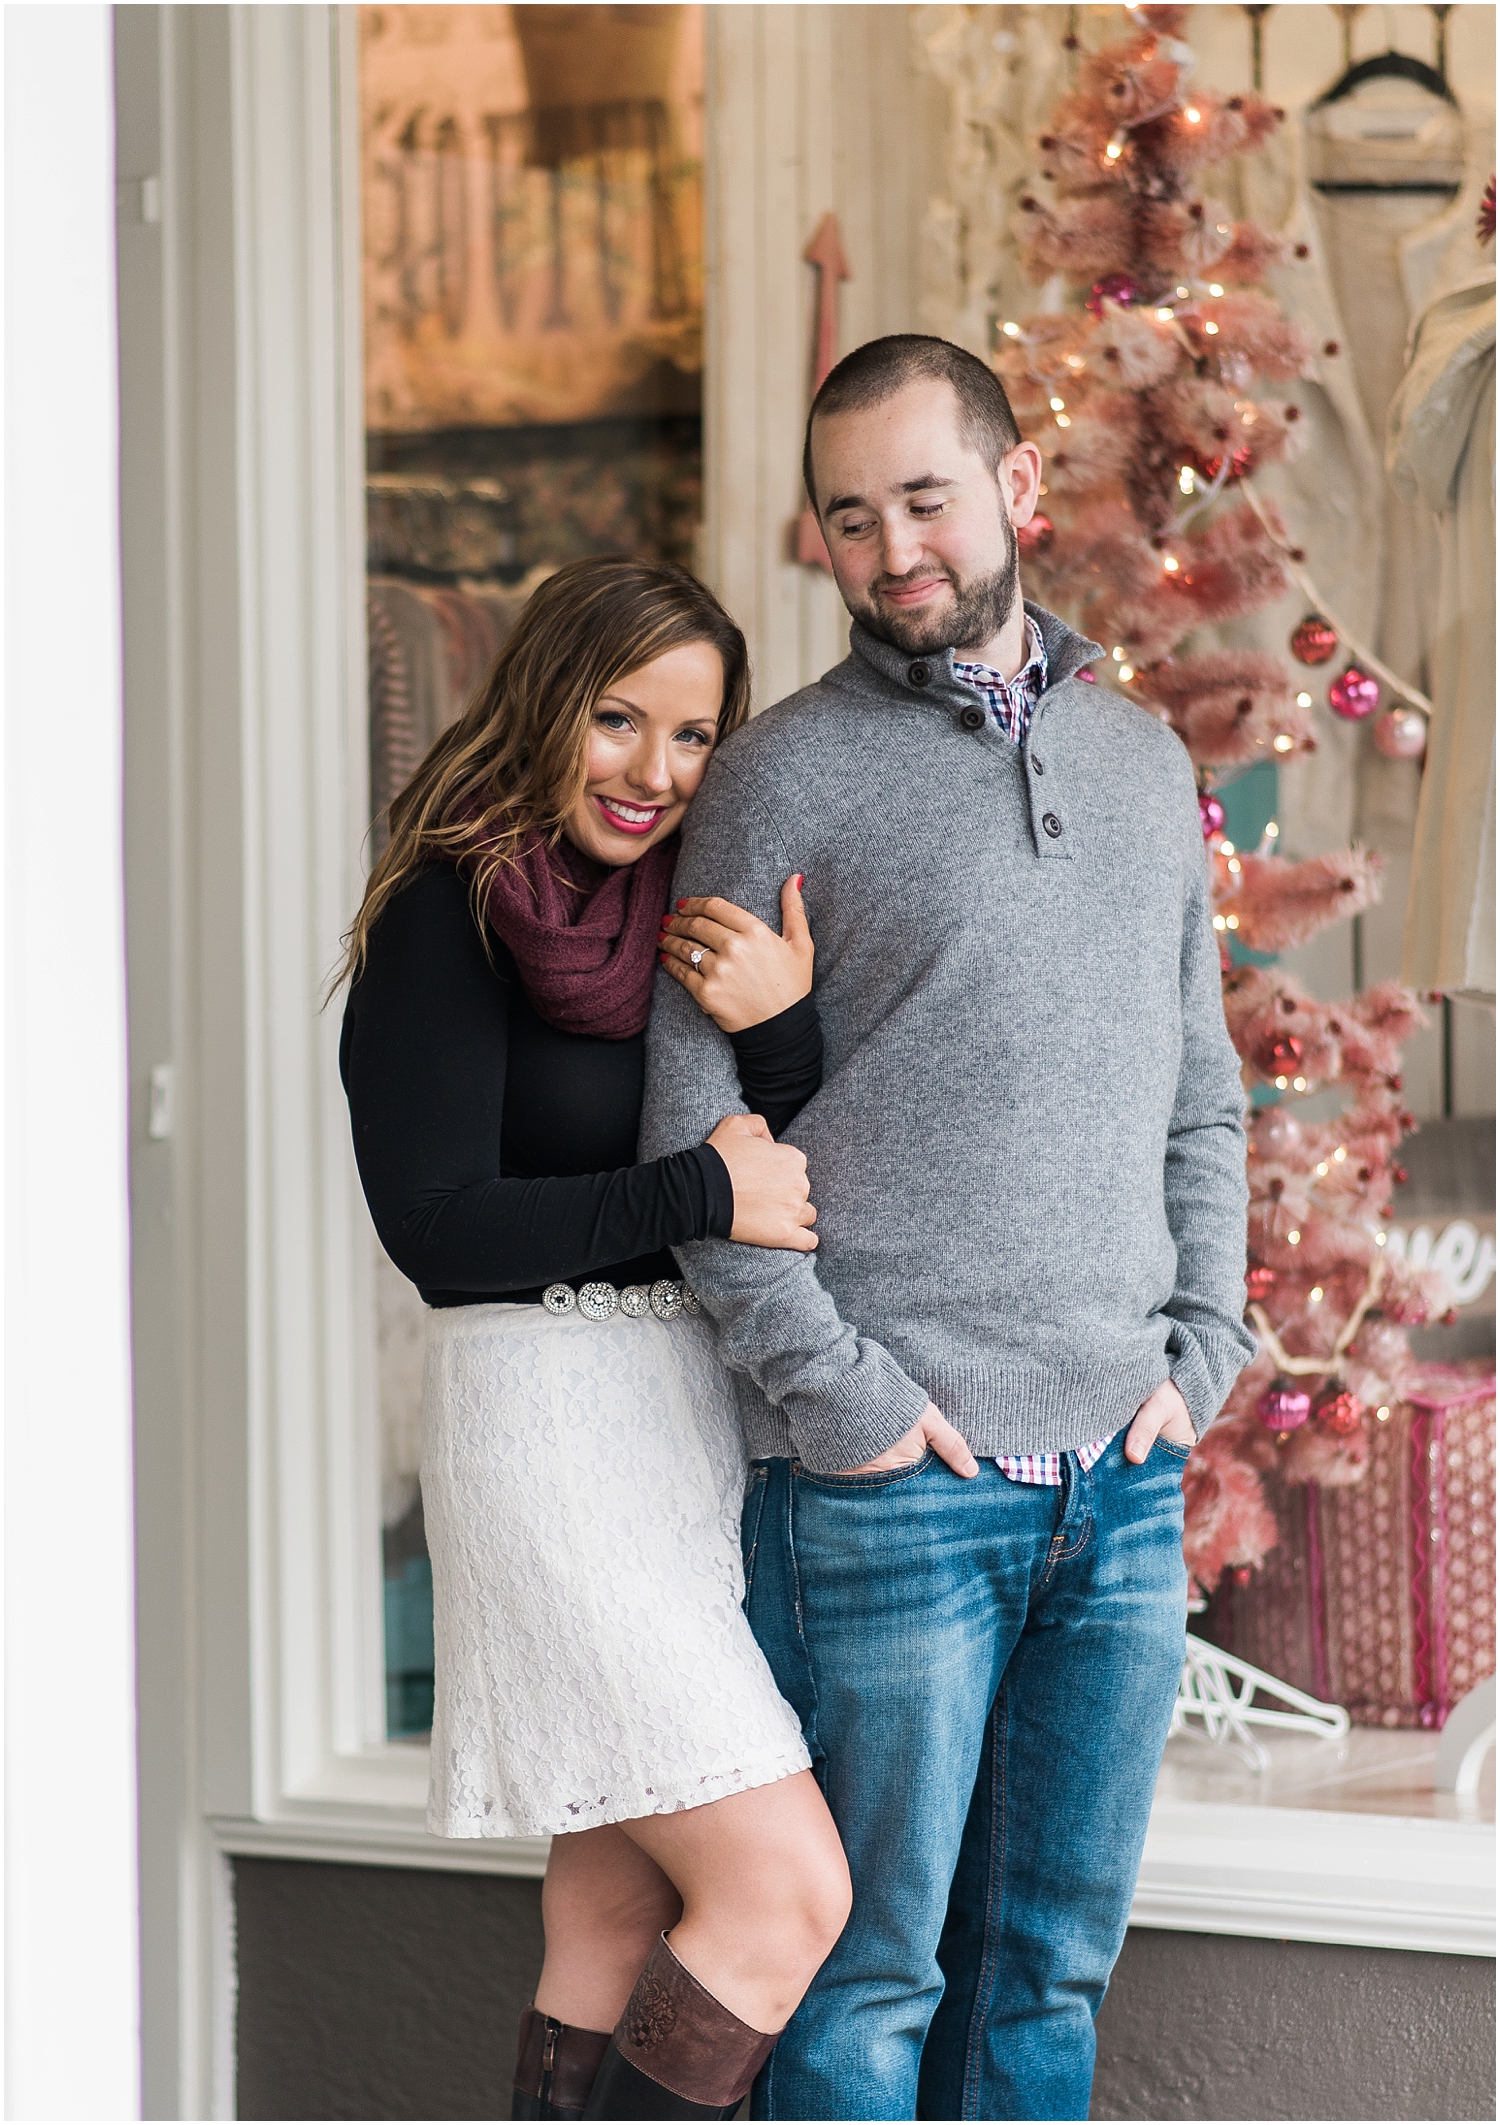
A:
[382,1992]
[1202,2026]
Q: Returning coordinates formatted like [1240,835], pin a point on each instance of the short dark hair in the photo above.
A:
[882,367]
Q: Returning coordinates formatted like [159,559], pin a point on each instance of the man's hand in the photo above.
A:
[931,1431]
[1162,1415]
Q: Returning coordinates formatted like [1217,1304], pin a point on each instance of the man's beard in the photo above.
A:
[978,613]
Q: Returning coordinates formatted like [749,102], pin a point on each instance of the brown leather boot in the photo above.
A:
[555,2067]
[676,2052]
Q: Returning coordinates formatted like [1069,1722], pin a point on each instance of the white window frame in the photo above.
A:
[262,1658]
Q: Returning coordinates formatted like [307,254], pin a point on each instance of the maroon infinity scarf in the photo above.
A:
[583,935]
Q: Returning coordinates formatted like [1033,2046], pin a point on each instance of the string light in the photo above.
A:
[1164,316]
[1057,404]
[1214,288]
[1281,1084]
[1116,148]
[1321,1169]
[1380,1239]
[1282,742]
[1234,866]
[1382,1415]
[1062,420]
[1299,1084]
[1126,673]
[1340,1155]
[1271,830]
[1182,294]
[1294,1239]
[1211,329]
[1226,848]
[1118,654]
[1315,1296]
[1186,479]
[1231,922]
[1075,361]
[1011,329]
[1192,114]
[1171,564]
[1304,700]
[1219,923]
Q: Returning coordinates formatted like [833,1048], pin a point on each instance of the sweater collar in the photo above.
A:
[1067,652]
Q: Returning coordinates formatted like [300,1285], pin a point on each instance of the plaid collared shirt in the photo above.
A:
[1012,702]
[1047,1468]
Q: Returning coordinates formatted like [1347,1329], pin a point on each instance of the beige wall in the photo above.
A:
[808,109]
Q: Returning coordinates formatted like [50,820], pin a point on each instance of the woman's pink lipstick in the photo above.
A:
[623,824]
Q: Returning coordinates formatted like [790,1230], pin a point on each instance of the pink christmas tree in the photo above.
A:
[1152,397]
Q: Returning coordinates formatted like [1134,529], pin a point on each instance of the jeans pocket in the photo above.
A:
[756,1485]
[879,1479]
[1170,1447]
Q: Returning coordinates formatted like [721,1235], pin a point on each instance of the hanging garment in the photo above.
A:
[1441,452]
[431,646]
[1359,269]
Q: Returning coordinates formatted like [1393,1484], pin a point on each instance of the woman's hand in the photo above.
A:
[745,973]
[771,1208]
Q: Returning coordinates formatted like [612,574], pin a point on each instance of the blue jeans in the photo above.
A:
[985,1673]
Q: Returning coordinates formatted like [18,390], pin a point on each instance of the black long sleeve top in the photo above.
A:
[497,1154]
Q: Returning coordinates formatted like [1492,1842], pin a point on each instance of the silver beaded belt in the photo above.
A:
[601,1302]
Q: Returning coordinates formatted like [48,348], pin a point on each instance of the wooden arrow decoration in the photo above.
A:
[825,251]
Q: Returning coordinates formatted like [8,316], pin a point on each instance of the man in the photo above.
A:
[969,1411]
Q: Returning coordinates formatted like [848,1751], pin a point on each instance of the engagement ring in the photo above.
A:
[695,959]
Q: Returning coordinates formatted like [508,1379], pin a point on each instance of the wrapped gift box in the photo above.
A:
[1380,1596]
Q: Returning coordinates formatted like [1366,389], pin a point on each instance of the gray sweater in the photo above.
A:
[1027,1153]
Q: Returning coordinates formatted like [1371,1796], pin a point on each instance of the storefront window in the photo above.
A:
[533,312]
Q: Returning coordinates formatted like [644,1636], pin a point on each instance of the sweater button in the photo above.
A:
[1051,824]
[1036,763]
[972,718]
[919,674]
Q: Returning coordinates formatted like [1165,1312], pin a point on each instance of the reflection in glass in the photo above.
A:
[533,325]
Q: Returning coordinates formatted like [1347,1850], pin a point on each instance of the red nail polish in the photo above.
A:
[798,881]
[681,905]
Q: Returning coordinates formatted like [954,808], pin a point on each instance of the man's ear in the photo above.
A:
[1020,483]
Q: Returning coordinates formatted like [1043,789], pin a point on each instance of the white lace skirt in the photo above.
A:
[582,1484]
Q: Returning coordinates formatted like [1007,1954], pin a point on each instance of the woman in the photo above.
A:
[582,1471]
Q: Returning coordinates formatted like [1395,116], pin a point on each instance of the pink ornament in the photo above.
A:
[1313,640]
[1278,1135]
[1401,734]
[1284,1406]
[1338,1411]
[1035,537]
[1114,288]
[1354,695]
[1210,815]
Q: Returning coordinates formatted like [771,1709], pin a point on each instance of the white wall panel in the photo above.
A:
[71,1987]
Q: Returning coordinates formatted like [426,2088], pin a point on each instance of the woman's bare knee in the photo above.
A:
[765,1893]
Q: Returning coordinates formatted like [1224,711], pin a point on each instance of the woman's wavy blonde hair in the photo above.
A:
[516,759]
